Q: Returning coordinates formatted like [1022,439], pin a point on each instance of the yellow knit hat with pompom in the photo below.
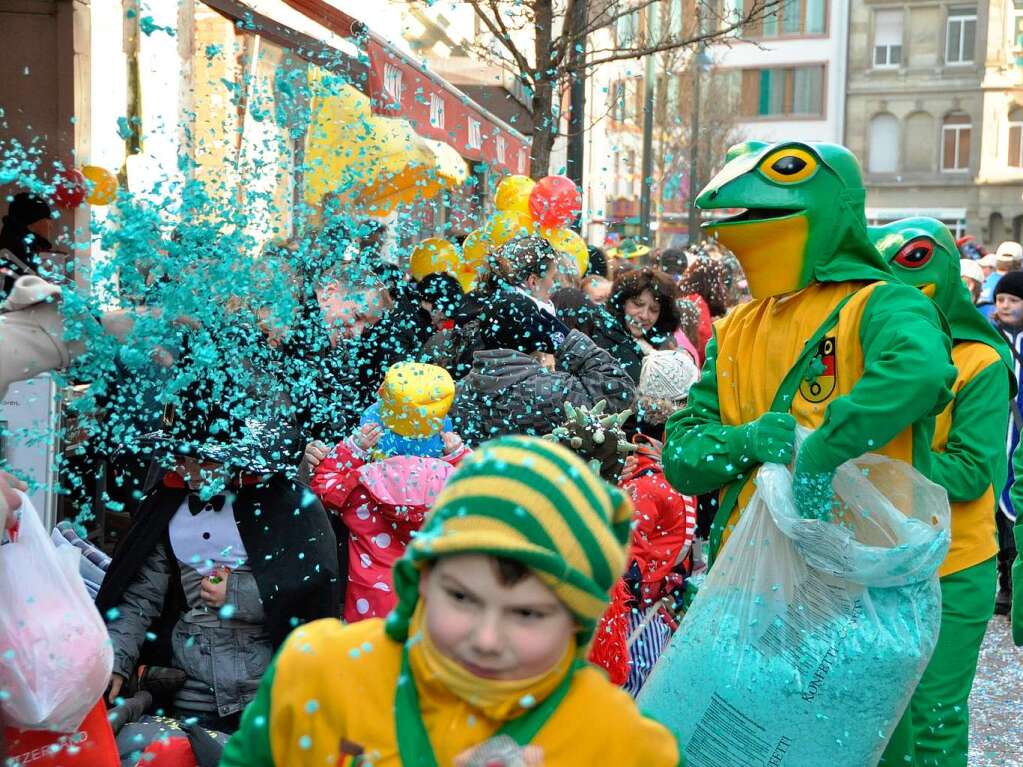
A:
[415,398]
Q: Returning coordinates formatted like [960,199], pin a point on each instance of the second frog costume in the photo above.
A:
[971,467]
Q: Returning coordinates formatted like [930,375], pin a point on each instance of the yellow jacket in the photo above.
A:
[331,681]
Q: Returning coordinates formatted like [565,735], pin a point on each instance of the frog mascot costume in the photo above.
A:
[969,464]
[831,340]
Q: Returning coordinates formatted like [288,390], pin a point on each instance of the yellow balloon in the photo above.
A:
[475,248]
[103,185]
[432,255]
[513,193]
[567,241]
[506,225]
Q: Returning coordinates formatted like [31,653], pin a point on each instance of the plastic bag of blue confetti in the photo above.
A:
[808,637]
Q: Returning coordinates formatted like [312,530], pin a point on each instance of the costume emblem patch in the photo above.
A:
[822,375]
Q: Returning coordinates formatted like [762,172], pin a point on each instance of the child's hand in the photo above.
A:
[314,454]
[213,589]
[9,500]
[116,683]
[367,436]
[452,443]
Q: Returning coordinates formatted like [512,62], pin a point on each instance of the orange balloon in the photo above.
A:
[466,277]
[102,185]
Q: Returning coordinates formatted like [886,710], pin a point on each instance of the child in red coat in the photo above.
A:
[382,480]
[638,624]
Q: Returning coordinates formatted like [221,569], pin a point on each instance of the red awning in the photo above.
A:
[398,86]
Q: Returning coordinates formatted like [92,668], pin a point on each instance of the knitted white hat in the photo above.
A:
[664,382]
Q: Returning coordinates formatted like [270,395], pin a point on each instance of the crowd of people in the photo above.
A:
[507,494]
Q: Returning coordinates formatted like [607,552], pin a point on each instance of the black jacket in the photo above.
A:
[579,313]
[291,550]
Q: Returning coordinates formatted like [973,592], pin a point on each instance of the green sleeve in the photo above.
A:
[697,458]
[972,460]
[907,376]
[250,745]
[1016,491]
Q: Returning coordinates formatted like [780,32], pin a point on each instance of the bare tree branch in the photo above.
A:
[500,31]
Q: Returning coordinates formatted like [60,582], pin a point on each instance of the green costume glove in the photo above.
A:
[769,439]
[1017,586]
[811,483]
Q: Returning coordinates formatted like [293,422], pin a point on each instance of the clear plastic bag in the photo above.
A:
[808,637]
[55,655]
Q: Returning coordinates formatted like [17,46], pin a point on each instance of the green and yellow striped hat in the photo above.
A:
[532,501]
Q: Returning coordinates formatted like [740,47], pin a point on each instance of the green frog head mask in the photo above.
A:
[802,217]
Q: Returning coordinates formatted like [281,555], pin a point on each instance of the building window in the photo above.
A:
[783,92]
[522,161]
[436,111]
[618,101]
[675,18]
[616,170]
[630,173]
[626,28]
[791,18]
[475,136]
[500,149]
[955,143]
[1017,25]
[884,144]
[672,99]
[1016,138]
[959,36]
[392,83]
[887,38]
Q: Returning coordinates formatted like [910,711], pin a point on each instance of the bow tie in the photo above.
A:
[196,504]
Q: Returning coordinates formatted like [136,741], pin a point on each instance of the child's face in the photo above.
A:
[494,631]
[1009,309]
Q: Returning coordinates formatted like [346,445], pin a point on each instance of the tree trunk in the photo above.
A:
[545,129]
[545,122]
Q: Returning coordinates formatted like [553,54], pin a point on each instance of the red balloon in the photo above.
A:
[555,202]
[71,189]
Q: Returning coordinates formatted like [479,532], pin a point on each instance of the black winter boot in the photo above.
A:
[1003,601]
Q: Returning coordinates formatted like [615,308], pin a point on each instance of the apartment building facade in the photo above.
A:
[780,78]
[790,70]
[935,112]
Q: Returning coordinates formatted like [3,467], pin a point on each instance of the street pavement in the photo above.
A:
[996,704]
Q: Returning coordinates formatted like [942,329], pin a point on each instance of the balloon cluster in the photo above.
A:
[92,184]
[524,207]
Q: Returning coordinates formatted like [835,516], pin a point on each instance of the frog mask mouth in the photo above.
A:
[757,214]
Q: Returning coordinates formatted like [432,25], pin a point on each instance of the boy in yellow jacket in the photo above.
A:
[482,661]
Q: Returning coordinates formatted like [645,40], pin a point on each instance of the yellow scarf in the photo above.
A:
[498,699]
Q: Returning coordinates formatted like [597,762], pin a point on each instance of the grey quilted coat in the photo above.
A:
[508,392]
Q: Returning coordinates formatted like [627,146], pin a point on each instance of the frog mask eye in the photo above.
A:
[915,254]
[790,165]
